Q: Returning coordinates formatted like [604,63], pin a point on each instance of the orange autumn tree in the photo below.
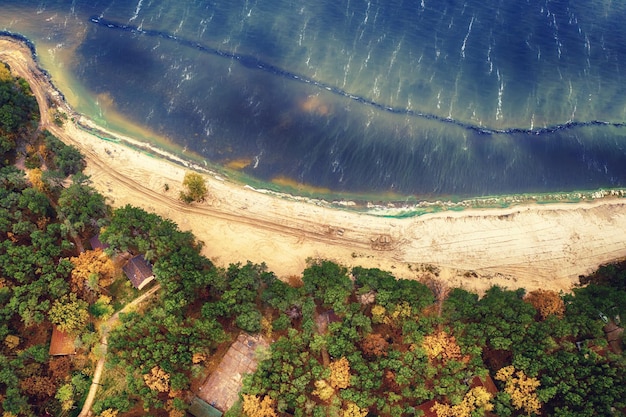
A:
[92,269]
[546,302]
[521,388]
[254,406]
[374,344]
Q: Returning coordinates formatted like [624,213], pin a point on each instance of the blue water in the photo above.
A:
[426,98]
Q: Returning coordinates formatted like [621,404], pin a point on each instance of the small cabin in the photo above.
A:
[61,343]
[138,271]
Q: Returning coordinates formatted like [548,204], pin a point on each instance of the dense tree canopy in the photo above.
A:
[18,107]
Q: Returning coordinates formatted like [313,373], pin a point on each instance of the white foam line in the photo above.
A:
[137,9]
[469,30]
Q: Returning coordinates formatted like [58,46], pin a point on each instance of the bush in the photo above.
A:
[281,323]
[119,402]
[249,321]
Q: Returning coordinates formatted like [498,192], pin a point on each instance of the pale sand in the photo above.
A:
[531,246]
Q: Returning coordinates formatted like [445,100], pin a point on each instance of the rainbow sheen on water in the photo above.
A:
[425,98]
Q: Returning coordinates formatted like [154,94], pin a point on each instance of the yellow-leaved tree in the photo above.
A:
[339,373]
[339,379]
[521,388]
[399,313]
[253,406]
[353,410]
[475,399]
[109,412]
[157,380]
[441,345]
[69,314]
[5,73]
[195,188]
[323,390]
[92,269]
[35,177]
[378,314]
[11,341]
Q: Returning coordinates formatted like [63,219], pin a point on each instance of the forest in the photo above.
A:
[343,342]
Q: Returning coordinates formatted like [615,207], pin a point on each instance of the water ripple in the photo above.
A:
[254,63]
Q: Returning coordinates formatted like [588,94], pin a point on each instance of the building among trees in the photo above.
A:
[138,271]
[62,343]
[221,389]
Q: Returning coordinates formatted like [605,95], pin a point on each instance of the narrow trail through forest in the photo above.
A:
[105,328]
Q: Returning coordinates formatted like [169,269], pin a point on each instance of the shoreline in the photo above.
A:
[522,245]
[392,208]
[400,206]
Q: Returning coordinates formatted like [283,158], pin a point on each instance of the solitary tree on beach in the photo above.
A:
[195,188]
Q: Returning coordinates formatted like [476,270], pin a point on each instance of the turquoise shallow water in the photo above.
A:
[421,98]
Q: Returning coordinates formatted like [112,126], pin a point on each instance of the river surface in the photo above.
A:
[418,98]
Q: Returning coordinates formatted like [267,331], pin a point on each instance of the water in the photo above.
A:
[424,98]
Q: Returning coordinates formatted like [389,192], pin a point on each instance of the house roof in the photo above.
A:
[96,243]
[200,408]
[222,387]
[486,383]
[138,271]
[426,408]
[61,343]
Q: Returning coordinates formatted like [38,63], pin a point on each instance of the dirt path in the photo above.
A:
[531,246]
[105,329]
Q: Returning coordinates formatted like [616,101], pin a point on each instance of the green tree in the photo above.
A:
[82,205]
[249,320]
[195,188]
[18,106]
[66,158]
[328,283]
[69,314]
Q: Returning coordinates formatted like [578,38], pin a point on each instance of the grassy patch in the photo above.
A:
[122,293]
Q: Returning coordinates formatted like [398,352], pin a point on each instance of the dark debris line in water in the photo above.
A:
[256,64]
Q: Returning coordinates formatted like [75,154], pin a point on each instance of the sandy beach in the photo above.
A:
[531,246]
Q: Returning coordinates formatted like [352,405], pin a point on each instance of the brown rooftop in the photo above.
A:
[61,343]
[138,271]
[96,243]
[487,383]
[425,408]
[221,389]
